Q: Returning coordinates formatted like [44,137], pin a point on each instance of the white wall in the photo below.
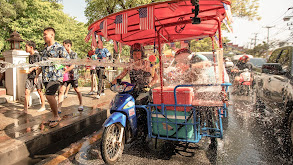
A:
[15,81]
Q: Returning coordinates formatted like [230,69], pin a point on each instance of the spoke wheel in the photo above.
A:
[291,133]
[290,130]
[111,149]
[212,117]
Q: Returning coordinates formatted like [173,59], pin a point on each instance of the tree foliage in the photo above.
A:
[259,50]
[245,9]
[30,17]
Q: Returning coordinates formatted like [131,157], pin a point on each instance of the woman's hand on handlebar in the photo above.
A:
[147,88]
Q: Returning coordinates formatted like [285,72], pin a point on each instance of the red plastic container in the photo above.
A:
[184,96]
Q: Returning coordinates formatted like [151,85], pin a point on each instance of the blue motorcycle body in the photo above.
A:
[123,111]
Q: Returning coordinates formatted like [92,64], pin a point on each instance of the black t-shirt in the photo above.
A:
[33,59]
[242,66]
[140,78]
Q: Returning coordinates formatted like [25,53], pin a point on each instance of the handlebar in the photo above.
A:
[122,87]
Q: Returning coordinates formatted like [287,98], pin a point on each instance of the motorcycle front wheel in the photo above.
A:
[111,148]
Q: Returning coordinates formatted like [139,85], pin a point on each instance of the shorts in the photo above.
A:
[74,83]
[51,87]
[93,71]
[100,71]
[30,84]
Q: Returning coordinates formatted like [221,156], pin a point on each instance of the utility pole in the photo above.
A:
[268,37]
[255,38]
[250,45]
[290,25]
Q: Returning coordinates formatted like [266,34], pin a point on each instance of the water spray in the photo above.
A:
[58,62]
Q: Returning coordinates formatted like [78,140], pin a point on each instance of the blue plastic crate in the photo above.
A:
[167,124]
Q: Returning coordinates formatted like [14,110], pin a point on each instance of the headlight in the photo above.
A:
[129,105]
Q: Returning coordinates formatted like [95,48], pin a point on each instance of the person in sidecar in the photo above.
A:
[197,69]
[139,71]
[180,70]
[194,69]
[208,73]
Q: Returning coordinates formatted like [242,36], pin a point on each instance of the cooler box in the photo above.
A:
[184,96]
[160,127]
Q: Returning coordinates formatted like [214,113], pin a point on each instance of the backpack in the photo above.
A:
[103,53]
[108,54]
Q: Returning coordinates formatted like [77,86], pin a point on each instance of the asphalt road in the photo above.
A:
[249,138]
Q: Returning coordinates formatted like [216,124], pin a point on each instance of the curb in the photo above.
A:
[69,131]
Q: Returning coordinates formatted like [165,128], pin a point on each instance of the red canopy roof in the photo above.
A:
[167,20]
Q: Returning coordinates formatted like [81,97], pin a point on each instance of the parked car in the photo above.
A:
[257,63]
[274,89]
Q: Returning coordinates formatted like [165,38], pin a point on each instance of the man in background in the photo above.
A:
[92,56]
[101,56]
[72,78]
[34,57]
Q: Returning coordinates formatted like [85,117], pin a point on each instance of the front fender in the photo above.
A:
[116,117]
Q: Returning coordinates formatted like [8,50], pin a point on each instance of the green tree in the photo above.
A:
[203,45]
[259,50]
[8,13]
[245,9]
[30,17]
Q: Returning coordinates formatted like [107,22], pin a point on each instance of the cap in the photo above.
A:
[244,57]
[183,50]
[136,47]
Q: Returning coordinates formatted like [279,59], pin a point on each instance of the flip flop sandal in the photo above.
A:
[49,121]
[41,109]
[54,123]
[80,108]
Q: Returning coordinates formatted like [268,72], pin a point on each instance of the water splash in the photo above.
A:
[51,62]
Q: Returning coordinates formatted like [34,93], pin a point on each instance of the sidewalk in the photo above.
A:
[23,135]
